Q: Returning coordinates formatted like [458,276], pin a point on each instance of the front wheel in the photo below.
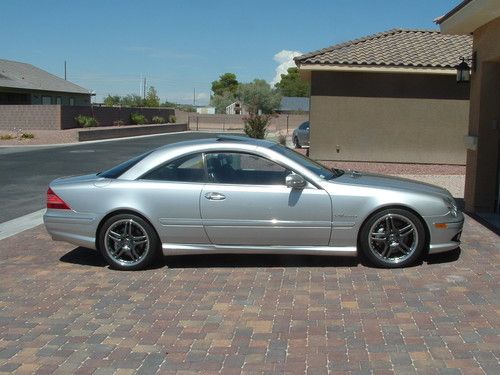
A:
[128,242]
[393,238]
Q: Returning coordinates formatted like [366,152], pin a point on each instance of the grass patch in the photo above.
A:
[6,137]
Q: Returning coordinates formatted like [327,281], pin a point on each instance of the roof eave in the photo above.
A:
[468,16]
[377,68]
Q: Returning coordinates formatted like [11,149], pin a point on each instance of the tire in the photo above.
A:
[128,242]
[393,238]
[296,142]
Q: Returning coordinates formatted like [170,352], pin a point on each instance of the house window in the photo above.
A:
[71,101]
[46,99]
[58,100]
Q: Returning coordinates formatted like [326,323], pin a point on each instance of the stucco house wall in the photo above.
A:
[388,117]
[483,164]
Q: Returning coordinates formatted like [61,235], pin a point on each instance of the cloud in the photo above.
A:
[285,60]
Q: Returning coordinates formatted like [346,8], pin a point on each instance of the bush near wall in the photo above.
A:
[138,119]
[86,121]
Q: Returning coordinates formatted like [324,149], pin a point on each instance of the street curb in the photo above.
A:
[20,224]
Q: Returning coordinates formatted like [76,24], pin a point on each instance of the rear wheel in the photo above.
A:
[393,238]
[128,242]
[296,142]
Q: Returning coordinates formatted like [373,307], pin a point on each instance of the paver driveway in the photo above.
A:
[63,311]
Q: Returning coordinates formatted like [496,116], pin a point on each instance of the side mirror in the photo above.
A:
[295,181]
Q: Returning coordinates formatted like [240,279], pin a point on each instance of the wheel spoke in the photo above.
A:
[406,249]
[134,254]
[139,240]
[386,251]
[115,236]
[403,232]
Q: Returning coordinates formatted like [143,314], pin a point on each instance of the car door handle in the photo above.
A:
[215,196]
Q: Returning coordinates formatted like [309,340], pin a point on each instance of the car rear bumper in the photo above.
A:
[70,226]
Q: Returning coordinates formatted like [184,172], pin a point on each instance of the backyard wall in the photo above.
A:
[37,117]
[409,118]
[230,123]
[55,117]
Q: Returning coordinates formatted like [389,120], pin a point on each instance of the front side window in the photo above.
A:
[185,169]
[245,169]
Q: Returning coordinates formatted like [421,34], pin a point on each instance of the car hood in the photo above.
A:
[390,182]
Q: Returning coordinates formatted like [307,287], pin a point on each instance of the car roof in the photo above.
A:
[235,140]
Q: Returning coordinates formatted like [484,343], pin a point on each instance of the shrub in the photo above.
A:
[282,139]
[118,123]
[172,119]
[138,119]
[86,121]
[158,120]
[27,136]
[6,137]
[256,125]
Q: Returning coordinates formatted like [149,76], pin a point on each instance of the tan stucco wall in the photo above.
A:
[482,164]
[405,118]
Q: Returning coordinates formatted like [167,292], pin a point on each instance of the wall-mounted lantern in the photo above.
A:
[464,70]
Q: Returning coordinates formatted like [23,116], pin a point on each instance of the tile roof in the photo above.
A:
[396,48]
[20,75]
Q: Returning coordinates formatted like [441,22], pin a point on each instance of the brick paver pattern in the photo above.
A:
[63,311]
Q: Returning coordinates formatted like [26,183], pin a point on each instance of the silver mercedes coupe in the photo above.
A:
[232,194]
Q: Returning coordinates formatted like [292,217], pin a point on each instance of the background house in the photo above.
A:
[292,104]
[389,97]
[236,108]
[22,83]
[482,180]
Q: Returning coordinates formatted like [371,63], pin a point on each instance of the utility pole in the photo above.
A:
[65,70]
[194,97]
[144,92]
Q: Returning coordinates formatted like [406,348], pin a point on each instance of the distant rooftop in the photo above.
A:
[20,75]
[395,48]
[292,103]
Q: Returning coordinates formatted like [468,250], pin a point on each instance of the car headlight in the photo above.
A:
[451,205]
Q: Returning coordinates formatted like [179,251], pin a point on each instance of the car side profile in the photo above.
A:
[230,194]
[301,134]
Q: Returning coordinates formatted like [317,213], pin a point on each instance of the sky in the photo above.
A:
[182,46]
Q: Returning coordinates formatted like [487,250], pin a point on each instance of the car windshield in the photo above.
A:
[120,169]
[313,166]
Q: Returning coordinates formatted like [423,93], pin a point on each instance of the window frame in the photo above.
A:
[253,154]
[206,181]
[205,173]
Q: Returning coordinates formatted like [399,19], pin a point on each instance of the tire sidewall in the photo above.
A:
[153,243]
[296,142]
[365,235]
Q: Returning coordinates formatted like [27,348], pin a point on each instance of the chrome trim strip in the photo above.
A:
[186,249]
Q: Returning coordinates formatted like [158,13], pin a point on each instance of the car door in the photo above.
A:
[246,202]
[304,134]
[170,193]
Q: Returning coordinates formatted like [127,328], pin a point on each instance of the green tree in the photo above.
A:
[132,100]
[227,82]
[220,102]
[112,100]
[259,95]
[292,85]
[152,99]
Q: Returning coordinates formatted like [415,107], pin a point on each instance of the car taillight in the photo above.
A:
[53,201]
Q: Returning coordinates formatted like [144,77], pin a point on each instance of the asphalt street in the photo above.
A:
[26,172]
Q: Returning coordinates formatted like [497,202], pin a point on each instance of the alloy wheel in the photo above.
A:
[393,238]
[127,242]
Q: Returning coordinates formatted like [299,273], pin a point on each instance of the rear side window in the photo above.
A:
[120,169]
[188,168]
